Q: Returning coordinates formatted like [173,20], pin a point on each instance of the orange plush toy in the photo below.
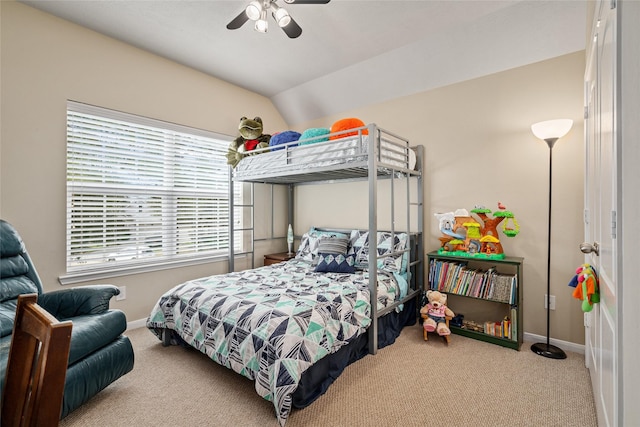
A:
[346,124]
[586,287]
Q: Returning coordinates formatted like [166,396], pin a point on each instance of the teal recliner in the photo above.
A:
[99,353]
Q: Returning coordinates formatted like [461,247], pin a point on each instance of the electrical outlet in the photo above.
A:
[123,293]
[552,302]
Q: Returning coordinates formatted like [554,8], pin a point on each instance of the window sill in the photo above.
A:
[80,277]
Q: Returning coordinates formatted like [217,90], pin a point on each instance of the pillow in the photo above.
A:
[336,263]
[304,250]
[346,124]
[359,245]
[283,138]
[314,135]
[333,245]
[386,243]
[308,249]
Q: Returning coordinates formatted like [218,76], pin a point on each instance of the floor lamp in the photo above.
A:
[550,131]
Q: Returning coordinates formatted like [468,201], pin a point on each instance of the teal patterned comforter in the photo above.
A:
[271,323]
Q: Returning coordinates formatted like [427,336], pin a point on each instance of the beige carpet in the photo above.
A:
[411,383]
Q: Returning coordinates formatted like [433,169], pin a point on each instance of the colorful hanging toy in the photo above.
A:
[585,283]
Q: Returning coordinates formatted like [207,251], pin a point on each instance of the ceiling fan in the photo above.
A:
[257,11]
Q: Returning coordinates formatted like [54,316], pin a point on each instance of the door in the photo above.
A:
[601,226]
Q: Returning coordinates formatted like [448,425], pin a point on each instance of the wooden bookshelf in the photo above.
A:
[488,292]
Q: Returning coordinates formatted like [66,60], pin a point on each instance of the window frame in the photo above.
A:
[105,269]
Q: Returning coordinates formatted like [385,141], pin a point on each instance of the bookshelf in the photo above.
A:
[488,292]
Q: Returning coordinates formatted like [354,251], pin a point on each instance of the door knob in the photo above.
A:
[587,248]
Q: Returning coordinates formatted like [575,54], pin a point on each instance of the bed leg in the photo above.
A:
[424,331]
[166,338]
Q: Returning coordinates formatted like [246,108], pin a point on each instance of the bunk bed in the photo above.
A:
[369,308]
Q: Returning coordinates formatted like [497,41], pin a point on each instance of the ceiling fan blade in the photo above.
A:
[238,21]
[292,29]
[307,1]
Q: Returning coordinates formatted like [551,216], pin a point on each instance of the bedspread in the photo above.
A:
[271,323]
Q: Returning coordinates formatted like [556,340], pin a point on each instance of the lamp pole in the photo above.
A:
[546,349]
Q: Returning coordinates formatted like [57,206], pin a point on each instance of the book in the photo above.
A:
[502,288]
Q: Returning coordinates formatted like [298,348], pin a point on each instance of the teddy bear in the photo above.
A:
[436,311]
[251,138]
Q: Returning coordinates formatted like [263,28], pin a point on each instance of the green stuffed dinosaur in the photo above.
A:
[251,138]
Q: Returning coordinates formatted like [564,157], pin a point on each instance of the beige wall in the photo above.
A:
[45,62]
[480,150]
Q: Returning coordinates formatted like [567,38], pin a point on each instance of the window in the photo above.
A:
[142,193]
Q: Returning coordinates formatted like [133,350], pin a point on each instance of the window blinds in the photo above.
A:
[142,191]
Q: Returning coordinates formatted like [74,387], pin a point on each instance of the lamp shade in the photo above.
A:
[261,26]
[280,15]
[552,129]
[253,10]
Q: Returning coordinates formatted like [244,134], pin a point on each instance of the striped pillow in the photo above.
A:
[308,249]
[333,245]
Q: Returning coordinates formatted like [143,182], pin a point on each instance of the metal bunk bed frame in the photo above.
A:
[371,167]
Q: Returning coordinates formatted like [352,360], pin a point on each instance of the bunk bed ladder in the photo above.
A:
[373,231]
[416,266]
[233,229]
[418,263]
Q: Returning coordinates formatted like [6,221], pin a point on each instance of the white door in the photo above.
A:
[601,226]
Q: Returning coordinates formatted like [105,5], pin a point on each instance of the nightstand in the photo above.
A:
[279,257]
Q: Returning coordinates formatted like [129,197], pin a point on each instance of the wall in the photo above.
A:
[45,62]
[480,150]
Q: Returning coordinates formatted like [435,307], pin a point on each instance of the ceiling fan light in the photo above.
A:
[280,15]
[253,10]
[262,25]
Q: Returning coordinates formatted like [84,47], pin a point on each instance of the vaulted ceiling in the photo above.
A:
[351,53]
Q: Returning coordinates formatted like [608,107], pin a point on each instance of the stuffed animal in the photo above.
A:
[284,137]
[251,138]
[436,310]
[313,135]
[346,124]
[586,289]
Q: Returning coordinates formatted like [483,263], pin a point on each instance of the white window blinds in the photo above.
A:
[142,192]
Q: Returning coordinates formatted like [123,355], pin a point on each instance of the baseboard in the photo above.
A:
[565,345]
[135,324]
[528,338]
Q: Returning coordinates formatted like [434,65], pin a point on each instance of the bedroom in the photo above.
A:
[480,122]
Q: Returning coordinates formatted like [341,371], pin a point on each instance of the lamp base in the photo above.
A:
[548,350]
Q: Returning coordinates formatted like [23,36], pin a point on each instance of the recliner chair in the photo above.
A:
[99,353]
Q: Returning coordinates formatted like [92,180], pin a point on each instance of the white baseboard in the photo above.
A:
[135,324]
[565,345]
[528,338]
